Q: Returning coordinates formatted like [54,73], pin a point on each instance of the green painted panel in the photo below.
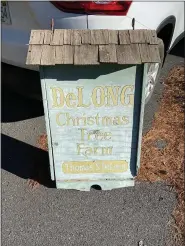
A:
[94,122]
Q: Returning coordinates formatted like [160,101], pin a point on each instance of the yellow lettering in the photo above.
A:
[125,120]
[58,119]
[97,119]
[88,151]
[101,96]
[82,132]
[69,98]
[82,119]
[90,135]
[79,147]
[98,166]
[106,120]
[112,95]
[116,120]
[58,97]
[90,121]
[77,167]
[80,98]
[69,118]
[107,150]
[98,151]
[127,99]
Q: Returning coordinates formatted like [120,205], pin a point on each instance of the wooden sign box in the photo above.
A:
[94,103]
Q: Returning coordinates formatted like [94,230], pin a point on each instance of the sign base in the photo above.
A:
[99,185]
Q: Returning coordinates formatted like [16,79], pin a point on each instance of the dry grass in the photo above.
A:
[168,163]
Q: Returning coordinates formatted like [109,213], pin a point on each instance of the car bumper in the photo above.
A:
[15,47]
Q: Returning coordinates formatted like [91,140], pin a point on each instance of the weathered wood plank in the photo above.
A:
[36,37]
[138,36]
[76,37]
[47,36]
[154,53]
[107,53]
[86,36]
[124,37]
[47,55]
[113,37]
[86,55]
[67,36]
[128,54]
[34,55]
[99,36]
[151,37]
[145,53]
[58,37]
[149,53]
[64,54]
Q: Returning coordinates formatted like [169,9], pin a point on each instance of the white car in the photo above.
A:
[18,18]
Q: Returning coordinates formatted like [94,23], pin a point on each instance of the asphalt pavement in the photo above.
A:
[47,216]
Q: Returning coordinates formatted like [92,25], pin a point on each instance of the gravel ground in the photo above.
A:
[48,216]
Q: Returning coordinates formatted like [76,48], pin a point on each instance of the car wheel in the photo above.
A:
[153,73]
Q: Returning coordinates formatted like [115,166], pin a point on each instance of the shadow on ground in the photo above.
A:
[25,161]
[22,81]
[16,107]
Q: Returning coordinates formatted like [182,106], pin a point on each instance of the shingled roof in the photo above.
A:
[91,47]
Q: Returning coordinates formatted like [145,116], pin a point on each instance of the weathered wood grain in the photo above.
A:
[152,37]
[128,54]
[67,36]
[86,36]
[34,55]
[107,53]
[86,55]
[76,37]
[145,53]
[154,53]
[58,37]
[137,36]
[37,37]
[124,37]
[64,54]
[99,37]
[113,36]
[47,55]
[132,46]
[149,53]
[47,36]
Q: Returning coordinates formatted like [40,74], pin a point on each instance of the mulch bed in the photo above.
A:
[42,142]
[162,157]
